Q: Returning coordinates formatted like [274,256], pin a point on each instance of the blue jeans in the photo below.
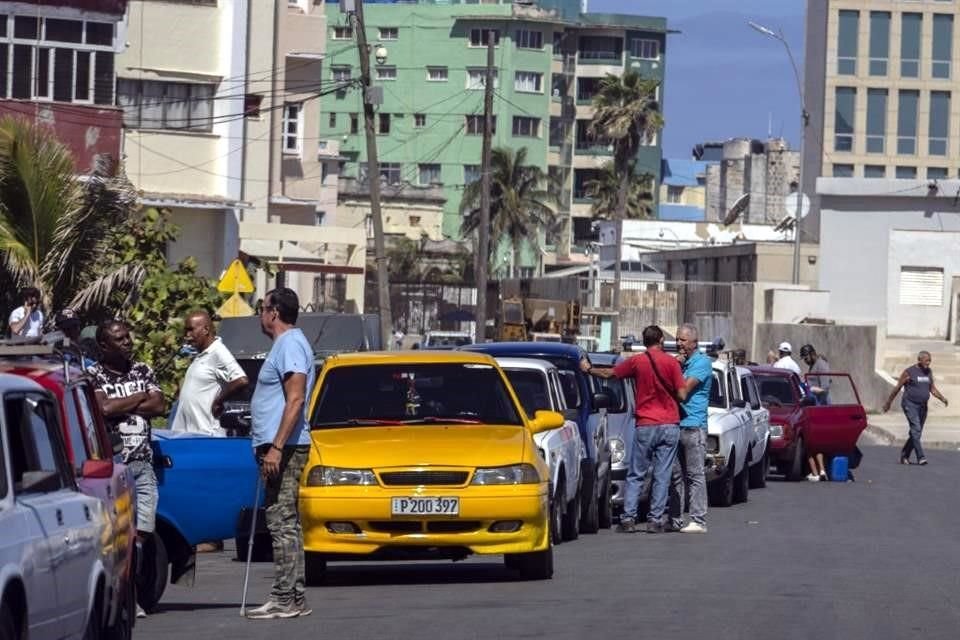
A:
[916,417]
[654,445]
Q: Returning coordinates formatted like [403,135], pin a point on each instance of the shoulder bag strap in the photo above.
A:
[656,372]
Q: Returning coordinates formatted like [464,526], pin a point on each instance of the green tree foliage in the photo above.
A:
[56,230]
[165,296]
[604,190]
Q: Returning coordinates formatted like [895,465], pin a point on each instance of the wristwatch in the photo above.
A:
[273,446]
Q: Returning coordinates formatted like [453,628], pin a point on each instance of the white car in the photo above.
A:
[759,455]
[52,579]
[729,438]
[446,340]
[537,385]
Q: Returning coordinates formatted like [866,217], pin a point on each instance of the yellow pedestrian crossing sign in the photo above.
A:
[235,279]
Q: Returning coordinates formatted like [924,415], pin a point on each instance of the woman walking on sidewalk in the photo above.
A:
[919,384]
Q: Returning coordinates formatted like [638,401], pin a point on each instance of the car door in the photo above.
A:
[572,450]
[760,415]
[738,408]
[834,429]
[67,518]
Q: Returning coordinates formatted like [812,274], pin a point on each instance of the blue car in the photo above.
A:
[204,484]
[621,422]
[588,408]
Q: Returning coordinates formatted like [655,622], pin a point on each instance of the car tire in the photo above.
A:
[570,529]
[94,628]
[720,492]
[122,627]
[606,507]
[155,571]
[741,483]
[794,468]
[557,504]
[9,624]
[590,512]
[315,566]
[759,471]
[537,565]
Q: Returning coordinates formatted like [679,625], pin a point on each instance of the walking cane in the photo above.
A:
[253,532]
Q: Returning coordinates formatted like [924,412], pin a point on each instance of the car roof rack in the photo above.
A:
[714,348]
[54,343]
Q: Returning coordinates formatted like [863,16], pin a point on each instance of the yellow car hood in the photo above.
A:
[410,446]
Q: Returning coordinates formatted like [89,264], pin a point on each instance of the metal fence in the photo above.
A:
[418,307]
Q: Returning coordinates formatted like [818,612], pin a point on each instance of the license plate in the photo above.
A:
[419,506]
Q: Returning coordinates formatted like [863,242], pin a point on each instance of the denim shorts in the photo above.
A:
[146,482]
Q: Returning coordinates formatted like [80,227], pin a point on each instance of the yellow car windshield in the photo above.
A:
[403,394]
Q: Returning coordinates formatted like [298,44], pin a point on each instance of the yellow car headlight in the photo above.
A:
[320,476]
[512,474]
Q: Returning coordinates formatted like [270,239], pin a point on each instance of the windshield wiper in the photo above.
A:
[441,420]
[360,422]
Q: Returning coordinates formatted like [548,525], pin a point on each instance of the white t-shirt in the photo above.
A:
[34,326]
[211,370]
[786,362]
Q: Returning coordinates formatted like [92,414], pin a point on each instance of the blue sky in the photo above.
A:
[724,79]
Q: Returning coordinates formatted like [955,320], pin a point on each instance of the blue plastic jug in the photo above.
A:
[839,469]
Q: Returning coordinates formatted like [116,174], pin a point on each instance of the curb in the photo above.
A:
[890,439]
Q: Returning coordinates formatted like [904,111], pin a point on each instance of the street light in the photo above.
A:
[804,121]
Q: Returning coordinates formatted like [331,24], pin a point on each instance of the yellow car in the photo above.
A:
[423,455]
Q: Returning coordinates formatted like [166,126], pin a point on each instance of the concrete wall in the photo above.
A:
[859,220]
[785,305]
[815,82]
[848,348]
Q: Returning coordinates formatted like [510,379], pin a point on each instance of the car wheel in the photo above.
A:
[155,572]
[557,503]
[741,483]
[122,627]
[9,625]
[590,519]
[606,507]
[537,565]
[794,469]
[758,472]
[570,527]
[316,568]
[94,630]
[720,492]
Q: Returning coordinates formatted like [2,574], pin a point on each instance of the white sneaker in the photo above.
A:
[271,610]
[140,612]
[812,477]
[694,527]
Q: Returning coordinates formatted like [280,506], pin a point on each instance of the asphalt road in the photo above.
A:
[877,558]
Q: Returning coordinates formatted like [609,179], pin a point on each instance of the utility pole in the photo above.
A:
[483,249]
[373,179]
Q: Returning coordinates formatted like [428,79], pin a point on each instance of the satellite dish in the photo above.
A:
[790,205]
[738,207]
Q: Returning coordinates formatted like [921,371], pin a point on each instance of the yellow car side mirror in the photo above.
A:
[546,420]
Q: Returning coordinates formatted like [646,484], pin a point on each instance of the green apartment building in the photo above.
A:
[549,60]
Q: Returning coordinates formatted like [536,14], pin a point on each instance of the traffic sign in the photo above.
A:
[235,279]
[235,307]
[790,204]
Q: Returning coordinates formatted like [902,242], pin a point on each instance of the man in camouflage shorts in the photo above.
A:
[281,439]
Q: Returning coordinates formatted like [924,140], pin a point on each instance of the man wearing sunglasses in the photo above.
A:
[281,441]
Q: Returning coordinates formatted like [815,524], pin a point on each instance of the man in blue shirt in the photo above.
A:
[281,440]
[698,378]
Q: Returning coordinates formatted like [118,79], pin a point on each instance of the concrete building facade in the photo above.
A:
[766,171]
[880,86]
[683,191]
[888,255]
[221,120]
[57,61]
[549,60]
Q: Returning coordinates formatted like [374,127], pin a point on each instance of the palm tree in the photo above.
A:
[604,189]
[520,202]
[626,113]
[55,229]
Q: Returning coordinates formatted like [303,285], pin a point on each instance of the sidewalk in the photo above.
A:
[938,433]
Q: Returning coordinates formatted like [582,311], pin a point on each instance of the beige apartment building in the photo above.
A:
[881,81]
[221,122]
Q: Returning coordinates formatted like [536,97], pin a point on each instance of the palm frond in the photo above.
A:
[98,293]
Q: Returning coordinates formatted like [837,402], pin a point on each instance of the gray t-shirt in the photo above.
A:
[917,389]
[820,365]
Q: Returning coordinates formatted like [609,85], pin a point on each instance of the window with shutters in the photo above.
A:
[157,104]
[921,286]
[56,59]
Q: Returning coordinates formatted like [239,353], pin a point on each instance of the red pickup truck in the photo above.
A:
[798,424]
